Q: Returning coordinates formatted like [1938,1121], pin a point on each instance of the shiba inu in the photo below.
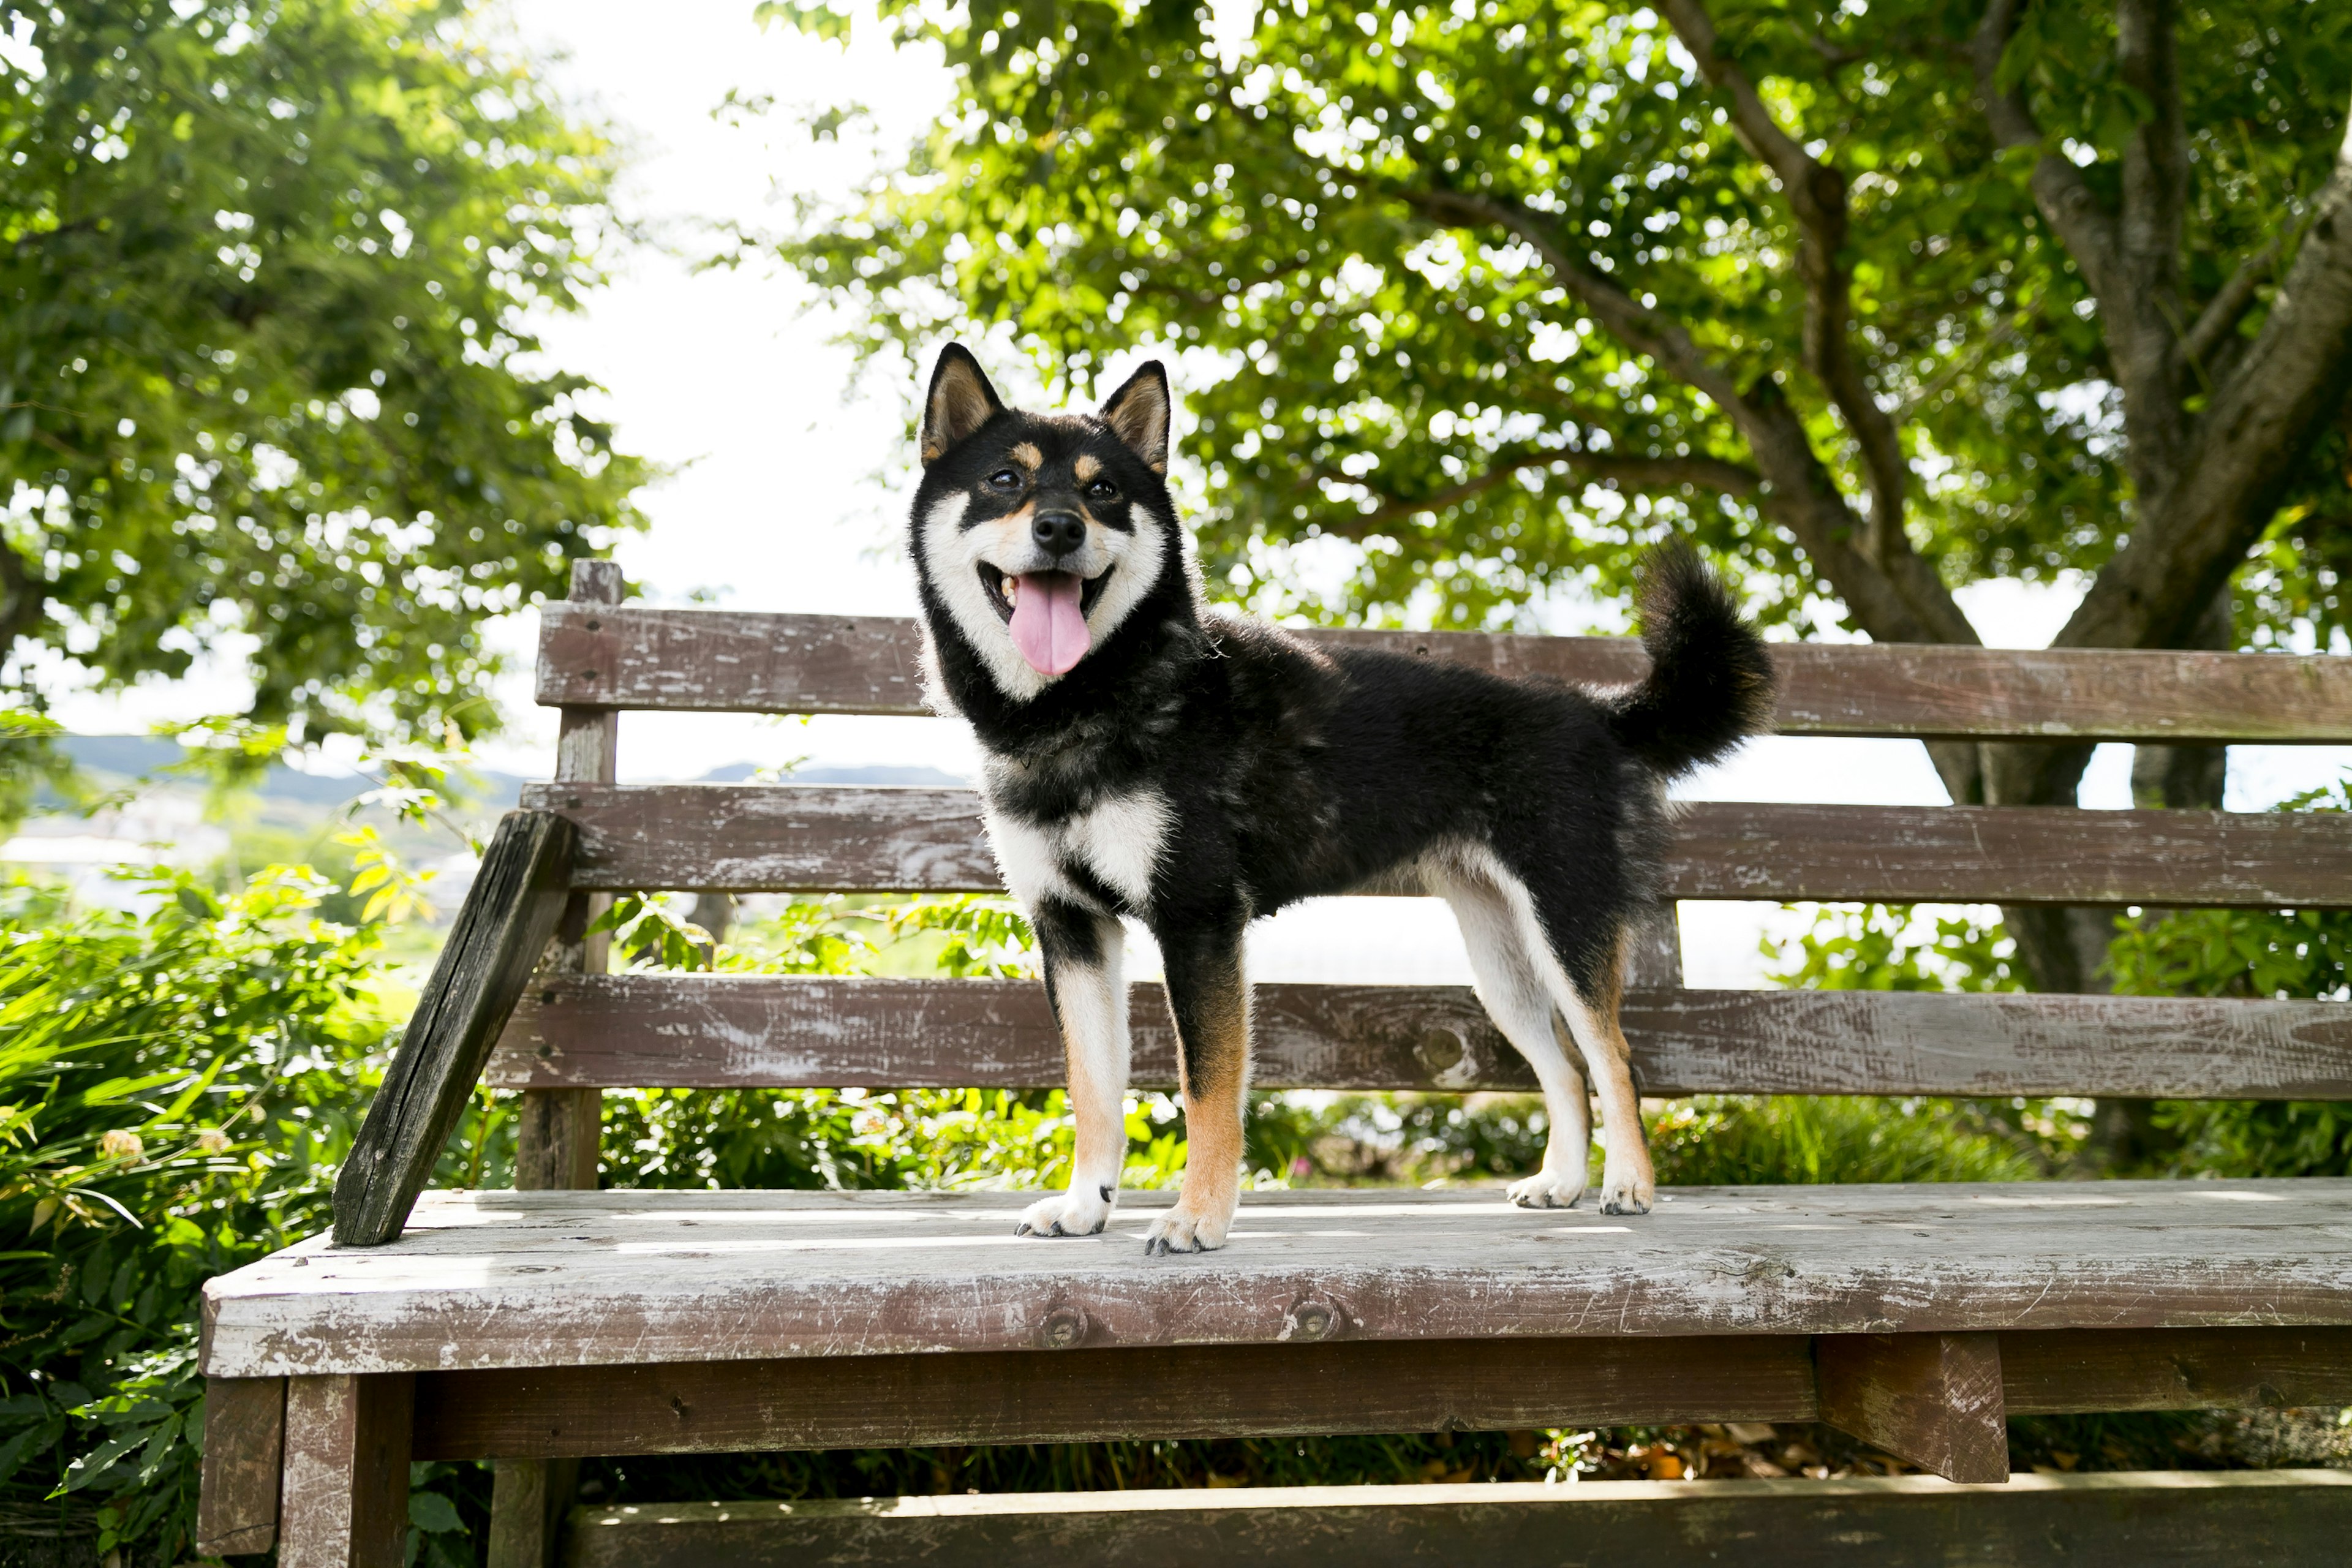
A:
[1147,757]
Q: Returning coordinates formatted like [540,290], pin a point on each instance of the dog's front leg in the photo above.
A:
[1084,960]
[1208,1000]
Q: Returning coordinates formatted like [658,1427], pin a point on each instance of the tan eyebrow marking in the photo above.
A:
[1087,466]
[1028,456]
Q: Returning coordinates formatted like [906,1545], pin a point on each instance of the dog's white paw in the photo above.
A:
[1181,1229]
[1081,1211]
[1624,1194]
[1547,1190]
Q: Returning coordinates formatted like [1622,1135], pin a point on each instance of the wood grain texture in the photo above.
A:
[244,1447]
[486,1280]
[705,1031]
[852,1401]
[508,915]
[345,1486]
[2149,1520]
[1934,1400]
[2177,1369]
[814,837]
[733,660]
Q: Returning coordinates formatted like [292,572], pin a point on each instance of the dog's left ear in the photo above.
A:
[1138,414]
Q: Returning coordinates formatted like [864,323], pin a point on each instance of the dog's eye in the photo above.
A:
[1102,489]
[1005,479]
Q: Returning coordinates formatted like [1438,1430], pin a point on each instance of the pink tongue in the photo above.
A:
[1046,626]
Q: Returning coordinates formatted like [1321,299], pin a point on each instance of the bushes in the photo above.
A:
[176,1092]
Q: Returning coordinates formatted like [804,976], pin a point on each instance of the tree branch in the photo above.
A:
[1638,473]
[2065,201]
[2132,263]
[2253,436]
[2227,307]
[1817,196]
[1799,493]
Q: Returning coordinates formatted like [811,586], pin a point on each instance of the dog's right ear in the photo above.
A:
[960,402]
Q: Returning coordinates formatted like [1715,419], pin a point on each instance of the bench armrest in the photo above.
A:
[507,917]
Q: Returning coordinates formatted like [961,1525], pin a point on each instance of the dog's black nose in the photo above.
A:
[1058,532]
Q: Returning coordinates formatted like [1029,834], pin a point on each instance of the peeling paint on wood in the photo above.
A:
[749,662]
[814,839]
[345,1482]
[511,1280]
[1934,1400]
[245,1444]
[701,1031]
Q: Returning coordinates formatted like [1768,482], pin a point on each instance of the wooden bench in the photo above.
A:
[557,1321]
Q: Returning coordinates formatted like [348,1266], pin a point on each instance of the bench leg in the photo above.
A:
[244,1444]
[345,1489]
[528,1503]
[1933,1399]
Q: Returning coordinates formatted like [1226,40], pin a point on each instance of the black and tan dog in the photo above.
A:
[1146,757]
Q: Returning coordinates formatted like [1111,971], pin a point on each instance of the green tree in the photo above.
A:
[1872,299]
[266,363]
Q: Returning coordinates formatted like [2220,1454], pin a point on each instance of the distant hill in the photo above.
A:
[929,778]
[135,756]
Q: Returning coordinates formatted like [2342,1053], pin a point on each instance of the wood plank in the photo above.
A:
[485,1280]
[852,1401]
[2171,1519]
[734,660]
[1934,1400]
[814,837]
[345,1487]
[2177,1369]
[509,914]
[244,1447]
[704,1031]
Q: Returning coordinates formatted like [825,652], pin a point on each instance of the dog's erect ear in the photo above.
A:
[1138,414]
[960,402]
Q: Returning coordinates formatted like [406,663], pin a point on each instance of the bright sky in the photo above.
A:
[792,470]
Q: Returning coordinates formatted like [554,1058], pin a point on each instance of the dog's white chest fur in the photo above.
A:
[1116,843]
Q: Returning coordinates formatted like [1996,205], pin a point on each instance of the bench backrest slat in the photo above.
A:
[810,837]
[586,1032]
[595,655]
[773,1032]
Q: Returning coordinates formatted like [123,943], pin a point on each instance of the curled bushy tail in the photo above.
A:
[1710,684]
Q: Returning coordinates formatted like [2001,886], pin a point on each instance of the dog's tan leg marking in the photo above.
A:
[1628,1183]
[1091,1006]
[1208,999]
[1516,997]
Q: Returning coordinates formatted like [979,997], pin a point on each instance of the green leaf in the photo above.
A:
[434,1513]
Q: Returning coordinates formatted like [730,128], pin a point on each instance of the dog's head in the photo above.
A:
[1038,535]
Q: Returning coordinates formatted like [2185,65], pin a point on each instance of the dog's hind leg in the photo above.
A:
[1588,1002]
[1084,959]
[1208,1000]
[1516,998]
[1586,979]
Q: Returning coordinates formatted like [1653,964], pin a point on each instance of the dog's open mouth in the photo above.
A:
[1046,612]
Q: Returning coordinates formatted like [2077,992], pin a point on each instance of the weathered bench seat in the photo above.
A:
[521,1280]
[539,1327]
